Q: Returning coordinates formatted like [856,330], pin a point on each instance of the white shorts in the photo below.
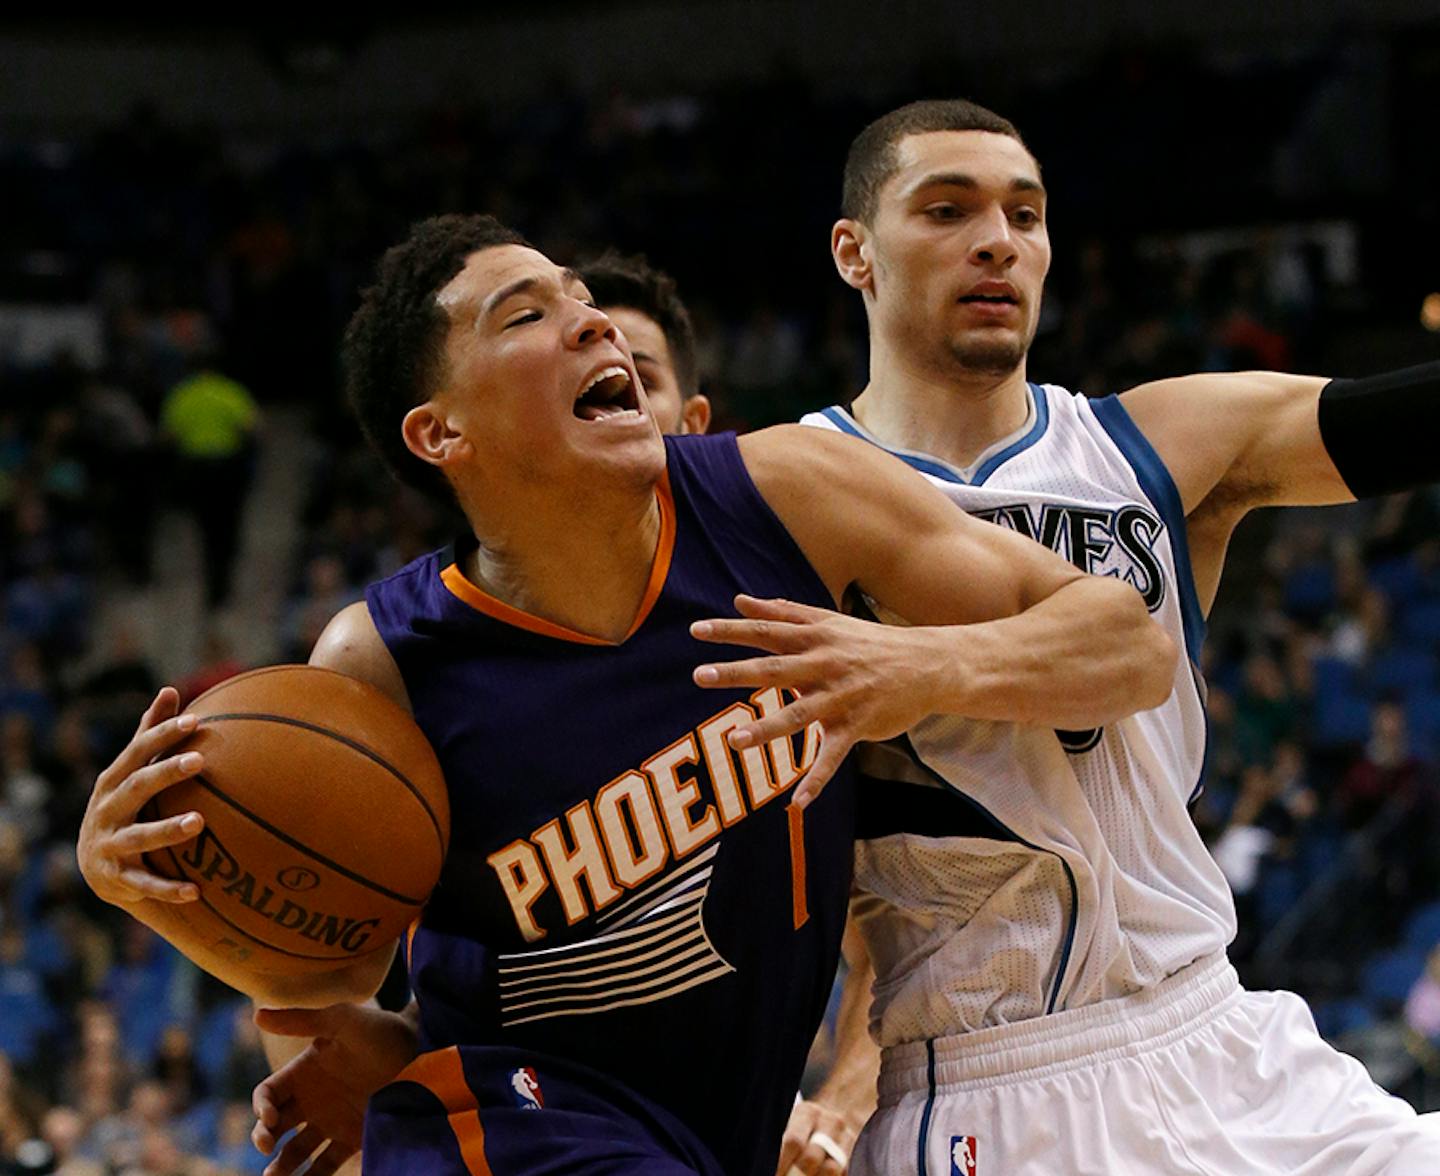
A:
[1195,1076]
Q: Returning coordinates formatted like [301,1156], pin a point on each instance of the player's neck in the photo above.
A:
[584,564]
[954,418]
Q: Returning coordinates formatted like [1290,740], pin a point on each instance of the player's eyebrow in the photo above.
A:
[964,180]
[568,277]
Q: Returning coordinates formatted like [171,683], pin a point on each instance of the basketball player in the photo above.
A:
[359,1049]
[626,917]
[1052,986]
[643,304]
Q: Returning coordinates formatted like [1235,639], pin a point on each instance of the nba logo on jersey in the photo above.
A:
[526,1087]
[962,1155]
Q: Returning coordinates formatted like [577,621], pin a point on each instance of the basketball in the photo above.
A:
[326,820]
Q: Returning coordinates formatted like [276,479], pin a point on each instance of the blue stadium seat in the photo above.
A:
[1332,677]
[1388,978]
[1309,591]
[1422,717]
[26,1015]
[1399,579]
[1420,623]
[1341,720]
[1335,1018]
[1402,670]
[199,1126]
[1422,932]
[214,1038]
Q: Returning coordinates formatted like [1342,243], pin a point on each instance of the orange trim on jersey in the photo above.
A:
[410,939]
[442,1074]
[799,907]
[480,600]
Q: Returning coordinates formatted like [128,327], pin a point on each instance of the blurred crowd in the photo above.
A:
[219,276]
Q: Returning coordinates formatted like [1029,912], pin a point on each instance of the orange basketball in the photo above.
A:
[326,820]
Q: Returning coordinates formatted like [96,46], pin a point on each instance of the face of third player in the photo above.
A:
[668,403]
[958,252]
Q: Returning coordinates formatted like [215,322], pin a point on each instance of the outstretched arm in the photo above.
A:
[1001,628]
[1235,441]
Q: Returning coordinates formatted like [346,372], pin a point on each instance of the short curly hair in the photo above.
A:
[630,281]
[393,350]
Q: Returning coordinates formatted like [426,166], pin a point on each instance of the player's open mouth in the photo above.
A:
[607,394]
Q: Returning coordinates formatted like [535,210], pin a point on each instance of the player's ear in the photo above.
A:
[695,414]
[430,437]
[849,246]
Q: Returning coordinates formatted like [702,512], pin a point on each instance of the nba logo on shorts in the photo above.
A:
[525,1086]
[962,1156]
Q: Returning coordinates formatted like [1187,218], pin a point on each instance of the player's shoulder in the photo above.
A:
[800,455]
[351,644]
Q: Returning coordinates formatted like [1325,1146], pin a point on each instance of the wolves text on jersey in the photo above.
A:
[1100,542]
[671,805]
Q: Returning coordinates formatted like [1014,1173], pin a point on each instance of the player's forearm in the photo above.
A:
[849,1088]
[1083,657]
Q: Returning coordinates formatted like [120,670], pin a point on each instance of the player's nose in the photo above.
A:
[994,243]
[588,324]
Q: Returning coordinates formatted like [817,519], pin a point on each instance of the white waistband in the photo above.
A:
[1126,1026]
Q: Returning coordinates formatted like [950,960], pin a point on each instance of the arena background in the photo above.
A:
[1233,185]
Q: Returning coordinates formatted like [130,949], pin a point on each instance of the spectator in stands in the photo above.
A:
[1422,1006]
[210,421]
[63,1128]
[217,662]
[1387,775]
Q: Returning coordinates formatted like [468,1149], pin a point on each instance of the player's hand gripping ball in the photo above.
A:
[326,820]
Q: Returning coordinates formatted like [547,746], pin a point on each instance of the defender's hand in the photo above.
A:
[858,679]
[112,840]
[323,1090]
[817,1142]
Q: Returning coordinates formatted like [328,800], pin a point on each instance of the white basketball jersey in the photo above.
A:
[1010,871]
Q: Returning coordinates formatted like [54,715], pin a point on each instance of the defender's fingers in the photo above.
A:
[146,745]
[778,608]
[786,721]
[771,636]
[755,671]
[833,749]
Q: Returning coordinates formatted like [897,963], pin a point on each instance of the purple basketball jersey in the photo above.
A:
[629,907]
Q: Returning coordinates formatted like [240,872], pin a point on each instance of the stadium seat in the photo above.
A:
[1421,624]
[214,1038]
[1341,719]
[1388,978]
[1422,931]
[26,1015]
[1399,579]
[1332,676]
[1402,670]
[1335,1018]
